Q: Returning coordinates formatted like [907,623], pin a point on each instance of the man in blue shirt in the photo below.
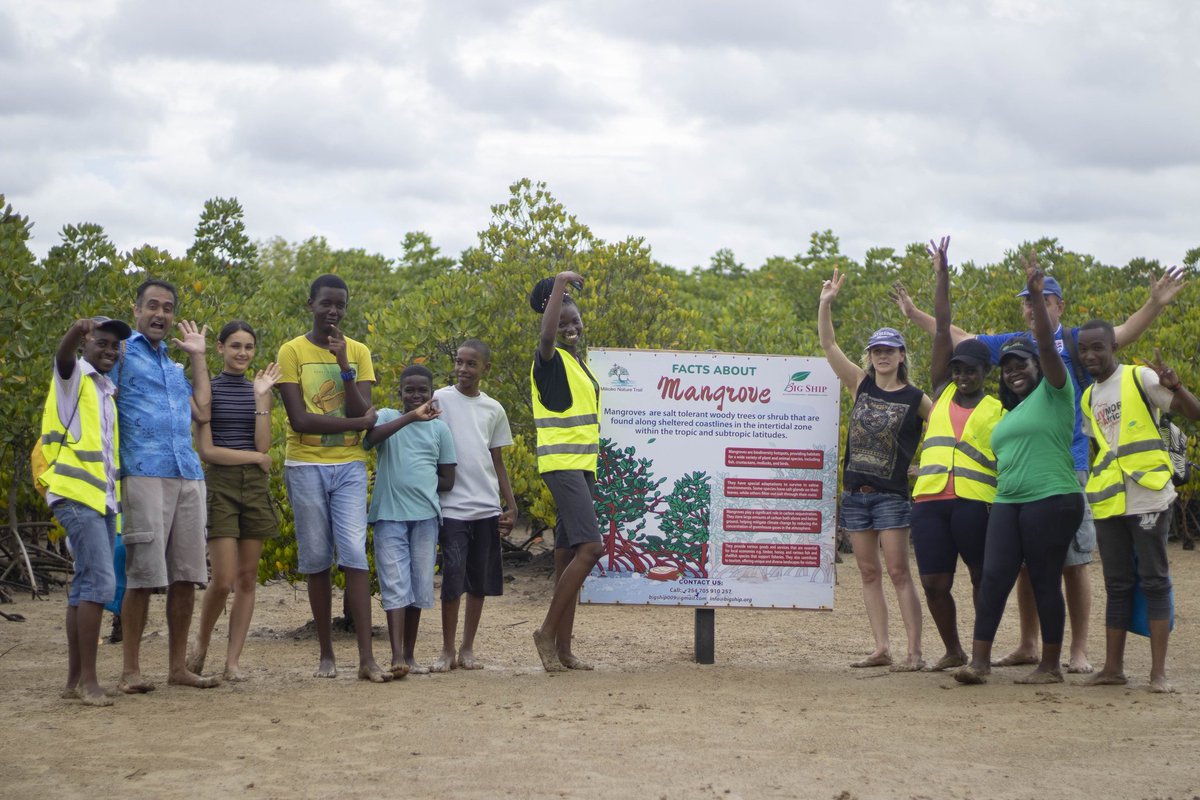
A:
[1075,577]
[162,484]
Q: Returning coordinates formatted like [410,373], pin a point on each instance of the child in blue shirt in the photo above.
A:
[415,463]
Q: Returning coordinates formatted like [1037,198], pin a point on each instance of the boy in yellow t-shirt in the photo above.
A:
[326,389]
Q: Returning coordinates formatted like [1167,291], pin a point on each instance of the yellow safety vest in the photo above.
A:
[76,467]
[569,439]
[1140,452]
[971,458]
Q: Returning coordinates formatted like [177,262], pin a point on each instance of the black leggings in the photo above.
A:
[1037,534]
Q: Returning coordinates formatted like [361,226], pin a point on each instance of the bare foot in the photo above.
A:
[972,674]
[399,670]
[414,668]
[195,658]
[98,700]
[234,675]
[910,664]
[570,661]
[371,672]
[1041,676]
[70,693]
[947,661]
[1103,678]
[1160,686]
[466,660]
[444,663]
[1016,658]
[874,660]
[326,669]
[188,678]
[135,684]
[544,643]
[1079,666]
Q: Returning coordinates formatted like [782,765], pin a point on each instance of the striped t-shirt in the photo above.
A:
[232,412]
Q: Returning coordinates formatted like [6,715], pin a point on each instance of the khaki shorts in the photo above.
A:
[239,502]
[163,531]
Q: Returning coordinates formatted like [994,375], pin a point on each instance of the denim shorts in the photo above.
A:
[877,511]
[405,553]
[329,503]
[1080,551]
[92,537]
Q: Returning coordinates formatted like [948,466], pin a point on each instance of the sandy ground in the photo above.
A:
[779,715]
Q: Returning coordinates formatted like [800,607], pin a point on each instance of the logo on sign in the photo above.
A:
[798,384]
[620,376]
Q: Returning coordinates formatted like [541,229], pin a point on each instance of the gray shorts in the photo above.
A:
[1080,550]
[576,523]
[163,531]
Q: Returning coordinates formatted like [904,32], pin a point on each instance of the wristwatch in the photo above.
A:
[348,374]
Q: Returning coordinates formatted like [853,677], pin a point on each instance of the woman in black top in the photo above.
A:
[235,446]
[884,431]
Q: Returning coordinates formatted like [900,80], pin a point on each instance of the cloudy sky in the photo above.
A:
[694,123]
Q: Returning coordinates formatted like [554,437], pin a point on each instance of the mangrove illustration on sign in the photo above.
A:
[628,495]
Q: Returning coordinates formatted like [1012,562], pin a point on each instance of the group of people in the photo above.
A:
[186,463]
[1005,483]
[1011,485]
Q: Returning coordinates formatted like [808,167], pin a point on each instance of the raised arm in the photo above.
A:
[1162,292]
[68,346]
[553,310]
[195,345]
[1184,402]
[849,373]
[920,318]
[358,393]
[264,381]
[943,344]
[1052,363]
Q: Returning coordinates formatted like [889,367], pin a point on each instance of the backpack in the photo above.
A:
[1174,439]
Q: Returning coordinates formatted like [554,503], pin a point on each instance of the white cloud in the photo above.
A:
[697,124]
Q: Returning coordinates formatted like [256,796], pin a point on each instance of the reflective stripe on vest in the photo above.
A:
[76,468]
[1140,452]
[971,458]
[569,439]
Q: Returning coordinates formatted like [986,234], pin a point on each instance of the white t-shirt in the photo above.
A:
[1106,405]
[478,424]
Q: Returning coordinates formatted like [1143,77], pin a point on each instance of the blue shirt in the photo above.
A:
[1079,442]
[406,473]
[155,412]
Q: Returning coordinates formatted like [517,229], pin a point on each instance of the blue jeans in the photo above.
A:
[329,502]
[405,553]
[92,537]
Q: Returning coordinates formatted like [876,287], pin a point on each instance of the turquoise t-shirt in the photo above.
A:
[1033,446]
[406,471]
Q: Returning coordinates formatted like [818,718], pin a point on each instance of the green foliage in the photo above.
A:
[417,306]
[685,521]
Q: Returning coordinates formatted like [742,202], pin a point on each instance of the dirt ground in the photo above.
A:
[779,715]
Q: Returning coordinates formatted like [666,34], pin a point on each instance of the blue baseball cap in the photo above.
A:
[886,337]
[1049,287]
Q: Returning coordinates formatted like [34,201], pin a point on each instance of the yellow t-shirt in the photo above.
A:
[316,371]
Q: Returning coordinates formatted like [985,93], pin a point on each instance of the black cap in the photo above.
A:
[114,326]
[1019,346]
[973,353]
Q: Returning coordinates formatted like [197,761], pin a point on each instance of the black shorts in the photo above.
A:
[471,558]
[943,530]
